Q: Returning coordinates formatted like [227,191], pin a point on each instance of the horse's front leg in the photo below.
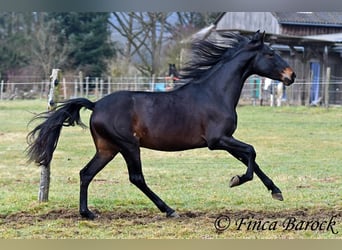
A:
[246,153]
[276,193]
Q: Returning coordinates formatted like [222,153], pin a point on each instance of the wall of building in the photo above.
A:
[250,21]
[301,30]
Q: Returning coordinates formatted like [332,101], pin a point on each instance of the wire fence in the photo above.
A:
[256,90]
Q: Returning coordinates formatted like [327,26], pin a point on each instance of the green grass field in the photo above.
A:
[298,147]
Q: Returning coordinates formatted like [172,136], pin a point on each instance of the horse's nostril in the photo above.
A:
[293,76]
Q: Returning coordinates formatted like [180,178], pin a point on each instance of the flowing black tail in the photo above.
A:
[43,139]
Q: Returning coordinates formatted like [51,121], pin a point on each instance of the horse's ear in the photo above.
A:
[258,38]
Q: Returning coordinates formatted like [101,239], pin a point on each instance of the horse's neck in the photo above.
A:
[227,84]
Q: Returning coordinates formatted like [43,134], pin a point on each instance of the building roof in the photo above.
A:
[327,19]
[318,41]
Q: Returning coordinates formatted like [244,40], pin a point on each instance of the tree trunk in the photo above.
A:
[44,186]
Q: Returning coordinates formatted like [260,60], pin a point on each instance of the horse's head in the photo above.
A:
[268,63]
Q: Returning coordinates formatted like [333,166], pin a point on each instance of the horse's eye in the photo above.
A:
[270,54]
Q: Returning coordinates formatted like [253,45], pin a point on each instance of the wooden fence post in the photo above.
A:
[101,88]
[109,89]
[53,98]
[97,88]
[87,87]
[80,75]
[64,89]
[326,88]
[1,89]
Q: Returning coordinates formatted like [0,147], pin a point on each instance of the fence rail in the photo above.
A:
[255,91]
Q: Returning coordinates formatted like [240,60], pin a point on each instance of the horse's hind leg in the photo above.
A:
[87,174]
[131,155]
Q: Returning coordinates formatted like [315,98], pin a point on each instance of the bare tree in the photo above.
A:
[15,30]
[48,52]
[152,37]
[145,33]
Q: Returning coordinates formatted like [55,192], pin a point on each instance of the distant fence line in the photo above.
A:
[255,91]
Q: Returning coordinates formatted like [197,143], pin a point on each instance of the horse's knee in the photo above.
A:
[251,152]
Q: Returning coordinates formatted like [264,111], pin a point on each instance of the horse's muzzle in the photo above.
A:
[288,76]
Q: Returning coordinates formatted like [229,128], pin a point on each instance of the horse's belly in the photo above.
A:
[172,142]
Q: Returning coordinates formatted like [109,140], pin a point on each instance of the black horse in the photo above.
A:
[198,114]
[173,72]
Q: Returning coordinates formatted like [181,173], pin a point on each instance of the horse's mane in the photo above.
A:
[205,54]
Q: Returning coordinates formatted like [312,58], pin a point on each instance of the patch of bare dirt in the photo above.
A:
[144,217]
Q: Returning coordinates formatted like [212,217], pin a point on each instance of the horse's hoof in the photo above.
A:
[88,215]
[278,196]
[235,181]
[173,215]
